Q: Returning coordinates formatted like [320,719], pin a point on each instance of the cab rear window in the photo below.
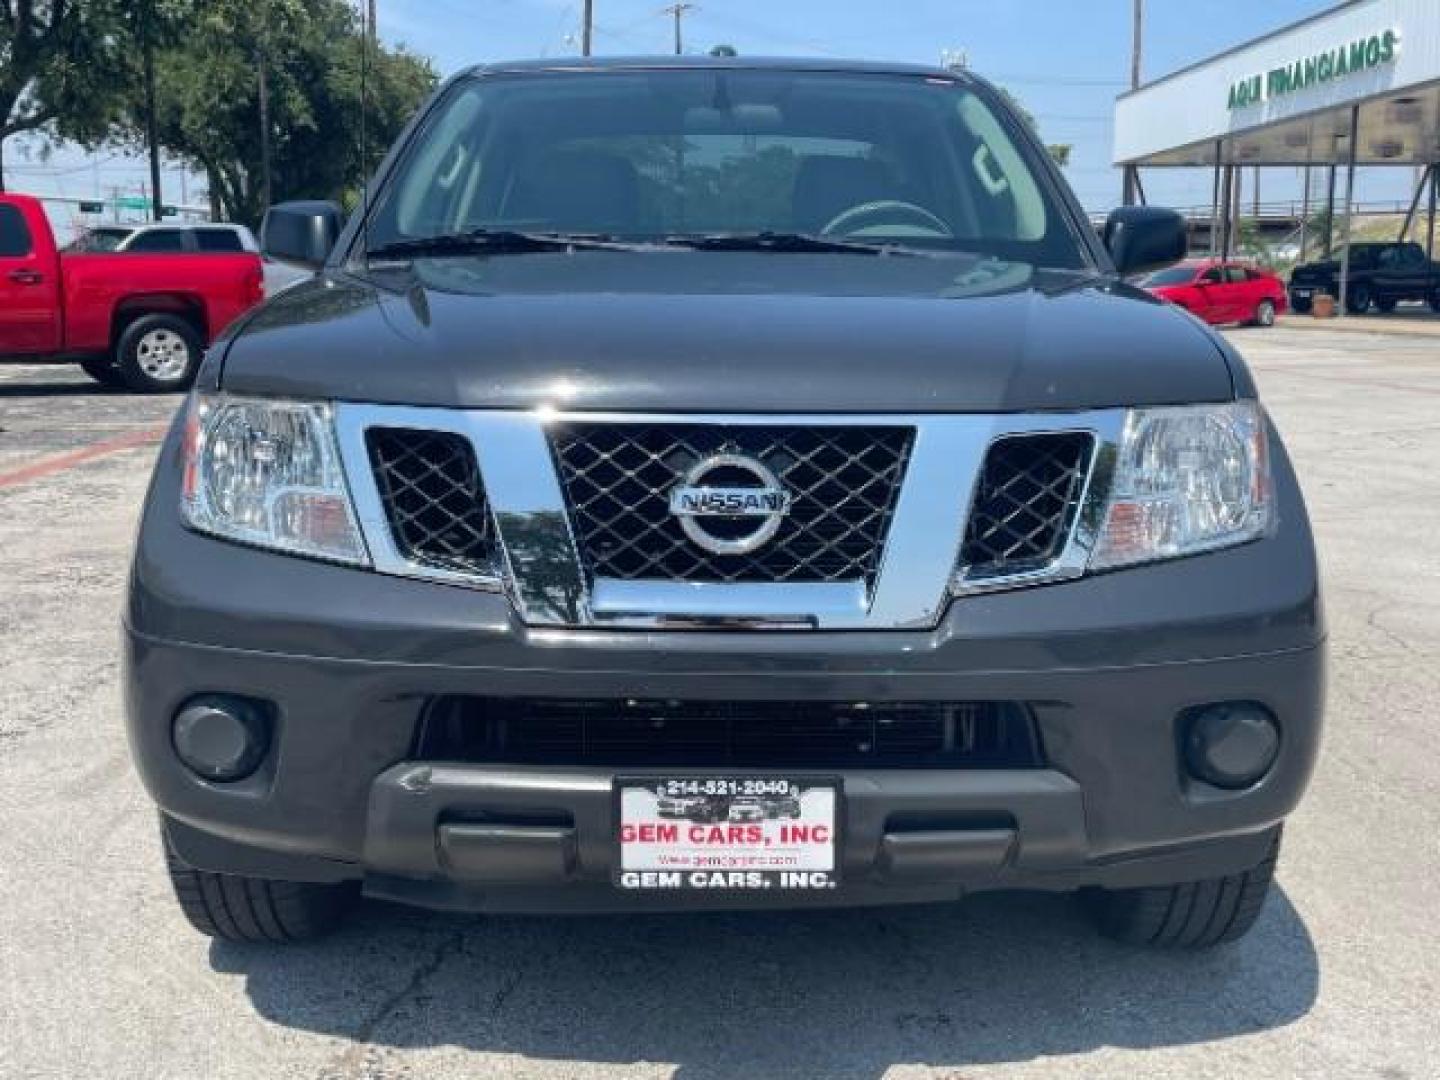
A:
[14,233]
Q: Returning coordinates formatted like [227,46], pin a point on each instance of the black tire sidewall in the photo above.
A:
[1353,297]
[127,360]
[104,372]
[1302,307]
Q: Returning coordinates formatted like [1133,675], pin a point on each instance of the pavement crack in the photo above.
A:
[354,1056]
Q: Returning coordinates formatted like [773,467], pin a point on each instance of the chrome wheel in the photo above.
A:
[163,355]
[1265,314]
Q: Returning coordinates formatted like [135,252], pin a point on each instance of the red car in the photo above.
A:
[138,320]
[1222,292]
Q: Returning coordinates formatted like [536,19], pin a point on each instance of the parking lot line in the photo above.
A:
[61,462]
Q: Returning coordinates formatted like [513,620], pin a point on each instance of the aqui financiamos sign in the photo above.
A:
[1349,58]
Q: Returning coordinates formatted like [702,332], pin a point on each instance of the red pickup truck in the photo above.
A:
[136,320]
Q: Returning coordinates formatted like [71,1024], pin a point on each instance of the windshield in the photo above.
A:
[651,156]
[1174,275]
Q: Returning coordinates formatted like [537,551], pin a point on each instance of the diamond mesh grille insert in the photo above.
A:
[844,483]
[754,734]
[1025,503]
[430,486]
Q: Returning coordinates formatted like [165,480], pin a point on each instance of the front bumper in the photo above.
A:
[350,658]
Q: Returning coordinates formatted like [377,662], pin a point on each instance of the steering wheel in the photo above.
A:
[868,215]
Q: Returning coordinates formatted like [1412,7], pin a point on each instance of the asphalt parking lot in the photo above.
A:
[99,976]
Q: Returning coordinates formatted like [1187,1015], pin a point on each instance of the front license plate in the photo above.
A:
[747,833]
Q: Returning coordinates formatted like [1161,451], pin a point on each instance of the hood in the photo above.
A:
[727,332]
[1325,268]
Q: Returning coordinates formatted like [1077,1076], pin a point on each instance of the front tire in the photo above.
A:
[158,354]
[1385,307]
[256,910]
[1302,305]
[1189,915]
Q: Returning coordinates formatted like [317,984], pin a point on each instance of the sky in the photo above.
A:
[1066,60]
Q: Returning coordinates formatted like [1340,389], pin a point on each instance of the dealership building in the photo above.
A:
[1357,85]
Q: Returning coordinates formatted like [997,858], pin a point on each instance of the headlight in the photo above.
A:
[1186,480]
[267,472]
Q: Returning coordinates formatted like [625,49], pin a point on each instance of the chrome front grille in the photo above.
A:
[574,515]
[1026,501]
[844,483]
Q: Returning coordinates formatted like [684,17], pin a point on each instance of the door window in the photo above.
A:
[1236,275]
[1211,276]
[14,233]
[218,240]
[158,240]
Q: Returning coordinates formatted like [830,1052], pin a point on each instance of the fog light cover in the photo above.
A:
[1231,745]
[221,738]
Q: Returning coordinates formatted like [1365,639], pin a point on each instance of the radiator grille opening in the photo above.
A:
[434,499]
[1026,501]
[752,735]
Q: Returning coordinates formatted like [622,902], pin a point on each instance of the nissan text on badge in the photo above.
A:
[710,483]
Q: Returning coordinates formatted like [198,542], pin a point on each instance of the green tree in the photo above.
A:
[63,68]
[310,54]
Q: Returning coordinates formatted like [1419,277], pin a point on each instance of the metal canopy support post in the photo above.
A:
[1330,214]
[1420,189]
[1349,205]
[1227,211]
[1434,195]
[1304,214]
[1215,201]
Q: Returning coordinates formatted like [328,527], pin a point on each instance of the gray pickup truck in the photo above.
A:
[711,433]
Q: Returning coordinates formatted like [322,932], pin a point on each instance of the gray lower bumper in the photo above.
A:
[475,838]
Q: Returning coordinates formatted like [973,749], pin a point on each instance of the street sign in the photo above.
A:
[92,208]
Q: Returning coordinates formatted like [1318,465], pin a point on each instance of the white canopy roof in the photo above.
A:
[1285,99]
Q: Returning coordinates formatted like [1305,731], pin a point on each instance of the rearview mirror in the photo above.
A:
[302,233]
[1142,238]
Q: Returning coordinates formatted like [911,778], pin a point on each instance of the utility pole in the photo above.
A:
[370,25]
[1137,38]
[264,91]
[678,10]
[587,28]
[146,15]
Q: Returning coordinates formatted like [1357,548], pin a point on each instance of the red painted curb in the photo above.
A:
[49,466]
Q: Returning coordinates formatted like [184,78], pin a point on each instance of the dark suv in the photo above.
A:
[712,433]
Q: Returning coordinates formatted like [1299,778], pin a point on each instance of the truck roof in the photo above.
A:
[744,63]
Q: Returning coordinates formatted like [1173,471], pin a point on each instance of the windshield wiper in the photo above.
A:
[787,243]
[498,242]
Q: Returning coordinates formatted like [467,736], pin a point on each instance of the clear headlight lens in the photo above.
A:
[1187,480]
[267,472]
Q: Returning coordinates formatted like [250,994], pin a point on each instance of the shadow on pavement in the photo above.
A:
[998,978]
[59,389]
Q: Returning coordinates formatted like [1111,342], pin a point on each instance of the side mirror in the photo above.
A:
[301,233]
[1142,238]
